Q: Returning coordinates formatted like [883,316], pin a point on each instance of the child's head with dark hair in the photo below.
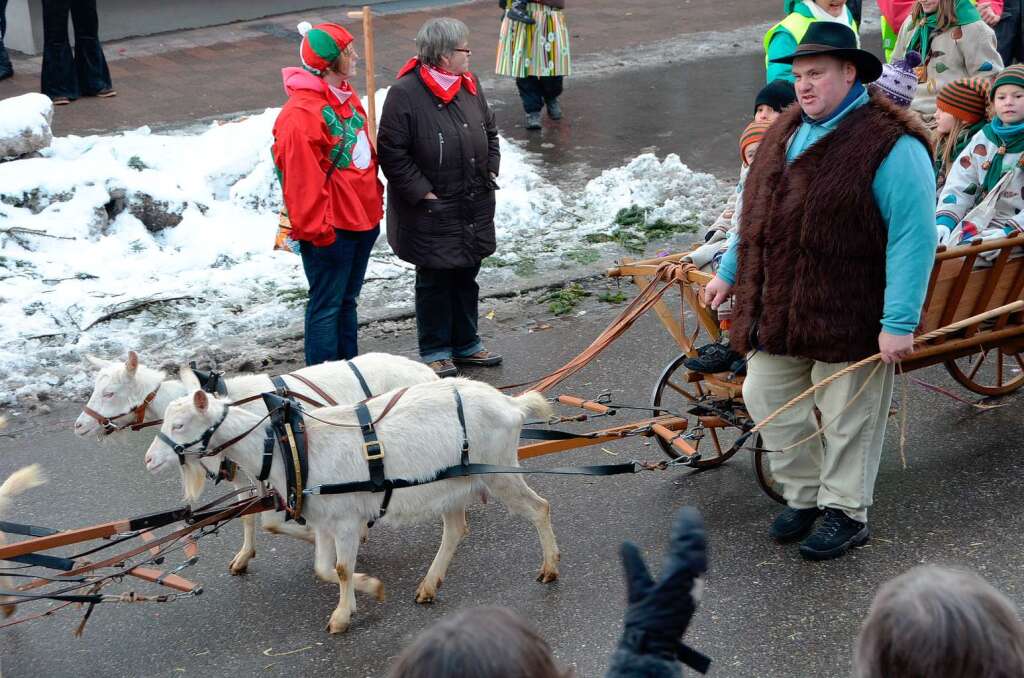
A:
[483,642]
[772,99]
[941,623]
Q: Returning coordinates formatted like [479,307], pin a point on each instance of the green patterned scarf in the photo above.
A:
[1009,139]
[966,13]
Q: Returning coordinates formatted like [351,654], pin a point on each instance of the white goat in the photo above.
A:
[21,480]
[420,436]
[121,387]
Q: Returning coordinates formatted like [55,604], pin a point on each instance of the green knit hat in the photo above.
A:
[1014,75]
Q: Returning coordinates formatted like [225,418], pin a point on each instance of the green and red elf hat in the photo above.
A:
[321,45]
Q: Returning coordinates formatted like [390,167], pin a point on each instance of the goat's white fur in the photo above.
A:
[420,436]
[22,480]
[129,382]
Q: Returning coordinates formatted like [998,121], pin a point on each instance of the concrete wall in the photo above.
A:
[124,18]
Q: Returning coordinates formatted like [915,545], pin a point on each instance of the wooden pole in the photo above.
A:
[371,79]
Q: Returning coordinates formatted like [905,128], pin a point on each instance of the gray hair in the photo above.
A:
[942,623]
[439,38]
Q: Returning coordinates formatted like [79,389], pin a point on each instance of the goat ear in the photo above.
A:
[188,377]
[96,362]
[200,400]
[132,363]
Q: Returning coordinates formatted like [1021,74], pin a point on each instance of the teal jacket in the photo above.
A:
[904,188]
[780,41]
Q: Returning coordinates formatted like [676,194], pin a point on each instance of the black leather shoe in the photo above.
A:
[712,358]
[837,534]
[793,524]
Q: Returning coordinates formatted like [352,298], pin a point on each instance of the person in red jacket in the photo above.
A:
[328,172]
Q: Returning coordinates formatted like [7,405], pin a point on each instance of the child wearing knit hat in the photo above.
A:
[772,99]
[898,81]
[961,112]
[983,197]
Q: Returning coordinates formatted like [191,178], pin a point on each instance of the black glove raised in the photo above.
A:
[659,611]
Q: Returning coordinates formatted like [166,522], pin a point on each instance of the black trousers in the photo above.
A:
[446,312]
[1010,33]
[5,60]
[67,74]
[536,91]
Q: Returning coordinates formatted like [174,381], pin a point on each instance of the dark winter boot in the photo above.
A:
[715,358]
[517,12]
[554,109]
[837,534]
[793,524]
[533,121]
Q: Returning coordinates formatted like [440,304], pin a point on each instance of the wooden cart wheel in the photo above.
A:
[990,372]
[763,472]
[675,392]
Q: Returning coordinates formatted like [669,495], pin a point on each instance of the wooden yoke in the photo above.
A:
[371,78]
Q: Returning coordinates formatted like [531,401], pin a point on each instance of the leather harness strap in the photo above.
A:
[139,411]
[316,389]
[359,377]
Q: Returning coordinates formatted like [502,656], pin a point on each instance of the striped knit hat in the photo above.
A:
[965,99]
[1014,75]
[321,45]
[753,134]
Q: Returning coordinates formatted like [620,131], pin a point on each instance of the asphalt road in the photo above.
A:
[766,612]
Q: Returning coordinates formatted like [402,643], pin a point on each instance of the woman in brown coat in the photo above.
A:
[438,148]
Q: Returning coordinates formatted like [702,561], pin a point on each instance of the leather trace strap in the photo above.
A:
[359,377]
[316,389]
[463,470]
[139,413]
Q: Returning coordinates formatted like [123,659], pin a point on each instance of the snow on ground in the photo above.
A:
[162,243]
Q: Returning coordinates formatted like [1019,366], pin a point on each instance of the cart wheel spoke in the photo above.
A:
[977,364]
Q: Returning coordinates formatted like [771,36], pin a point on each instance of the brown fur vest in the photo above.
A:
[811,275]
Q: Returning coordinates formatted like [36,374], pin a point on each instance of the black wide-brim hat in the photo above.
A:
[835,39]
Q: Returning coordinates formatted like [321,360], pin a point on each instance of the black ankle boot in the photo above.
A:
[793,524]
[837,534]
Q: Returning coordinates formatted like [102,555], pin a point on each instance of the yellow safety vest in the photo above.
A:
[797,24]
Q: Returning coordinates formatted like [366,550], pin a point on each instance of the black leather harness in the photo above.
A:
[287,433]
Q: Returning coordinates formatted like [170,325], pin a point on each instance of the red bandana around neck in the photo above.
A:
[443,84]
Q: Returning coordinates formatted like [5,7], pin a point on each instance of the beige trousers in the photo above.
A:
[841,473]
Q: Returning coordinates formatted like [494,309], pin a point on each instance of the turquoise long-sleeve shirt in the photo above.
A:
[904,189]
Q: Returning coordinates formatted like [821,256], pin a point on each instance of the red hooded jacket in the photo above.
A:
[315,130]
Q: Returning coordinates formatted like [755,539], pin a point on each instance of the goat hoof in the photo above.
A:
[7,610]
[335,626]
[240,564]
[547,576]
[425,596]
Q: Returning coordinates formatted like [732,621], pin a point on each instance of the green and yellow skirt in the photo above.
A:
[540,49]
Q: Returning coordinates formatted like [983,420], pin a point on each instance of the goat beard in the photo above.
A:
[193,479]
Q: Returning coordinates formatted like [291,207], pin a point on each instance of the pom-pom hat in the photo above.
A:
[321,45]
[899,80]
[965,99]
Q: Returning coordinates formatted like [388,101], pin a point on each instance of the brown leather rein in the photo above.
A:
[139,411]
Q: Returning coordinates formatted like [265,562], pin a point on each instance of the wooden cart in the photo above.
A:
[985,358]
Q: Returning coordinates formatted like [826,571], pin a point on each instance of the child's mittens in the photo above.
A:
[943,232]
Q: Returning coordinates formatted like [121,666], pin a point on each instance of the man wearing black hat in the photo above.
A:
[835,248]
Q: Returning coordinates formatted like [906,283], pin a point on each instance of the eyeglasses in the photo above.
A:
[467,52]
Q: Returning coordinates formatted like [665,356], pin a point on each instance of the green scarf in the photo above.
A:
[966,13]
[1008,141]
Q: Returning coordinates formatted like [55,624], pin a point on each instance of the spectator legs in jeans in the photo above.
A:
[446,313]
[536,92]
[6,70]
[65,73]
[335,274]
[1010,33]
